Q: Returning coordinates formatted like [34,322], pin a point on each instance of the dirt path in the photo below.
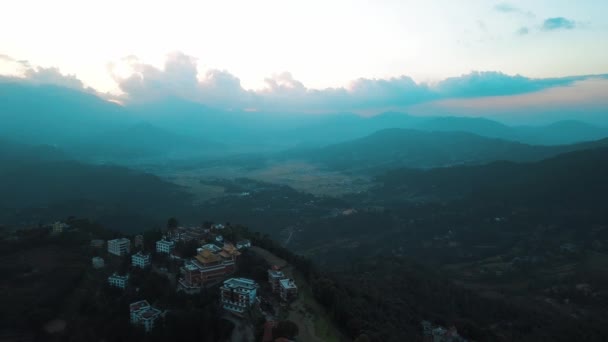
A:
[242,332]
[304,311]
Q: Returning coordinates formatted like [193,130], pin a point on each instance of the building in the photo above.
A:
[243,244]
[288,290]
[274,278]
[97,262]
[138,241]
[238,294]
[59,227]
[140,260]
[219,239]
[118,281]
[97,243]
[165,246]
[119,247]
[210,266]
[144,315]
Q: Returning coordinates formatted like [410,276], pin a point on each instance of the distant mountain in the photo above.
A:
[143,140]
[75,120]
[396,148]
[12,151]
[573,178]
[45,114]
[39,185]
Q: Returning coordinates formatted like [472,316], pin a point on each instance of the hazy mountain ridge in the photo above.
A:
[396,148]
[48,186]
[83,123]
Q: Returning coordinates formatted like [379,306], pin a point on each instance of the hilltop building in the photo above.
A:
[243,244]
[119,281]
[274,278]
[288,290]
[238,294]
[97,262]
[140,260]
[210,266]
[143,314]
[59,227]
[165,246]
[119,247]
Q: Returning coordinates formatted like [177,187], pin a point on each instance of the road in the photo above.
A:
[242,332]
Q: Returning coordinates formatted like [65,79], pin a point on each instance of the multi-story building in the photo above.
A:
[97,262]
[210,266]
[143,314]
[274,278]
[140,260]
[243,244]
[238,294]
[288,290]
[119,281]
[119,247]
[59,227]
[138,241]
[165,246]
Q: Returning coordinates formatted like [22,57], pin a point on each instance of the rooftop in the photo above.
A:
[276,274]
[118,276]
[139,305]
[288,284]
[211,247]
[240,283]
[120,240]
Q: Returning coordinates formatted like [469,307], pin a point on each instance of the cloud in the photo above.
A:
[22,71]
[283,92]
[492,83]
[179,78]
[522,31]
[558,23]
[508,8]
[584,99]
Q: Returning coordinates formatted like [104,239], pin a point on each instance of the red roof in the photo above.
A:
[268,331]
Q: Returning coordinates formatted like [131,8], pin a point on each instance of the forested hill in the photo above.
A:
[40,188]
[395,148]
[576,177]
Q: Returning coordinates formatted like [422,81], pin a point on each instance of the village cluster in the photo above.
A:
[211,268]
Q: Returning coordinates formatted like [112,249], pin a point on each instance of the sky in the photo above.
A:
[254,54]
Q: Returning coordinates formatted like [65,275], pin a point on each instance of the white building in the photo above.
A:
[118,281]
[165,246]
[97,262]
[59,227]
[243,244]
[143,314]
[238,294]
[288,289]
[119,247]
[140,260]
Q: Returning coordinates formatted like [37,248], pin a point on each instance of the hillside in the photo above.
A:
[41,188]
[571,176]
[395,148]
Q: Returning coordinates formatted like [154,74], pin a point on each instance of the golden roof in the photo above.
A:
[206,257]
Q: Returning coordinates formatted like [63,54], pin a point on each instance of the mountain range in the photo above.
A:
[86,125]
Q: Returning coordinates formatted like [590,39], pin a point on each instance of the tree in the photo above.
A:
[172,223]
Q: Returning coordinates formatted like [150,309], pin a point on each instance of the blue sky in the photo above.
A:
[311,55]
